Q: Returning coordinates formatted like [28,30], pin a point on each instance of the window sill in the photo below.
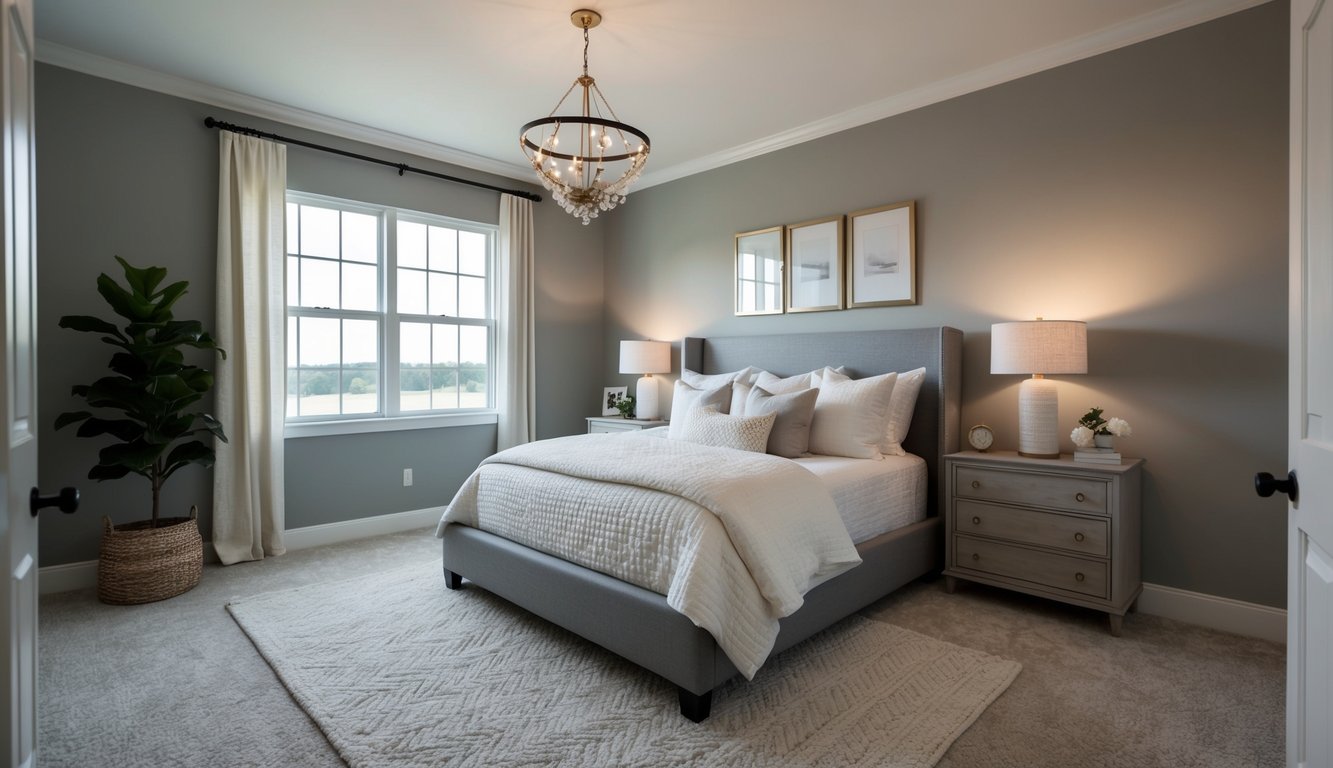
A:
[393,424]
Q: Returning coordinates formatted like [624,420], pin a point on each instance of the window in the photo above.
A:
[389,312]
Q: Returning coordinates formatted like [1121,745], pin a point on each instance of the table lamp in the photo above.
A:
[647,358]
[1039,347]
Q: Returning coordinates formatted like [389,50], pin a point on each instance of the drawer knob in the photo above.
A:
[976,483]
[1078,537]
[1080,497]
[976,521]
[1079,577]
[976,556]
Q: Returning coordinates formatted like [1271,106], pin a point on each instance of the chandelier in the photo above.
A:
[590,168]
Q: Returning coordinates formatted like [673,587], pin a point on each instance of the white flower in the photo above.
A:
[1118,427]
[1082,437]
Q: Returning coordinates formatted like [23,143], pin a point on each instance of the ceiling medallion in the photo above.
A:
[591,167]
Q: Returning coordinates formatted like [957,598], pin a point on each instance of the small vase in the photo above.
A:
[1104,442]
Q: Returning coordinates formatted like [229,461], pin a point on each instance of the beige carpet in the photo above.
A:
[398,671]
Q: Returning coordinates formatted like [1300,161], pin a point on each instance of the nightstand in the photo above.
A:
[1054,528]
[619,424]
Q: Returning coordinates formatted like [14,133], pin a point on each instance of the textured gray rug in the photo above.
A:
[399,671]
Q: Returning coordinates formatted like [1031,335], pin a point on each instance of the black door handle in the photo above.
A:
[1265,484]
[67,500]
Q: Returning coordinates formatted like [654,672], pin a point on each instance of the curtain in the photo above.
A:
[251,309]
[515,364]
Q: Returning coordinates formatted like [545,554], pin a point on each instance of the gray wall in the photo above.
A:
[1143,190]
[131,172]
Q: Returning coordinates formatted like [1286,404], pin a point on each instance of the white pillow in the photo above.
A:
[686,398]
[708,426]
[817,377]
[851,416]
[780,386]
[711,380]
[901,407]
[740,394]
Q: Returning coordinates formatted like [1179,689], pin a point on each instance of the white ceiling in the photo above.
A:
[711,81]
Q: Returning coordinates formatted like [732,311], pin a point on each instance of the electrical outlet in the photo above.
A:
[407,477]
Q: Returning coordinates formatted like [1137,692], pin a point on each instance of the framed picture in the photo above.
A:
[759,272]
[814,265]
[881,262]
[611,396]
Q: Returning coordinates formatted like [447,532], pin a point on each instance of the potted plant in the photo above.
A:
[144,405]
[626,406]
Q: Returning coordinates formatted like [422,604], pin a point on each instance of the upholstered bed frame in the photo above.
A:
[638,624]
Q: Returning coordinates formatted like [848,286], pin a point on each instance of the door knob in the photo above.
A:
[67,500]
[1265,484]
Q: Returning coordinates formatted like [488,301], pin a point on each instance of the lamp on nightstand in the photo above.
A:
[647,358]
[1039,347]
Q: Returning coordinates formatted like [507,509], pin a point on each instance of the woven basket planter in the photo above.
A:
[141,564]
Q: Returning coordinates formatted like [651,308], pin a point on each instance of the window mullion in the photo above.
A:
[389,334]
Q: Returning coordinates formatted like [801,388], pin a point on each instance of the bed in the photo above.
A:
[638,624]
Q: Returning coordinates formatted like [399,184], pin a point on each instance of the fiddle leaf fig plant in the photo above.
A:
[144,403]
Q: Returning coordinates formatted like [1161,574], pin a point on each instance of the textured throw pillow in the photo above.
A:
[790,437]
[852,416]
[686,398]
[781,386]
[708,426]
[712,380]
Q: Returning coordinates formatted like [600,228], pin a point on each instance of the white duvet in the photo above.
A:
[733,539]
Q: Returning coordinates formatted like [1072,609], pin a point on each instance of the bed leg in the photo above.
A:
[452,580]
[695,706]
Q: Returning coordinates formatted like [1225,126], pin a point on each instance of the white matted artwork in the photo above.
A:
[814,265]
[881,263]
[611,396]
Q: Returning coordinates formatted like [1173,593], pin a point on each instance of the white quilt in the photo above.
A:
[733,539]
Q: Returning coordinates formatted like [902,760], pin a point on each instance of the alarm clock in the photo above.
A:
[981,437]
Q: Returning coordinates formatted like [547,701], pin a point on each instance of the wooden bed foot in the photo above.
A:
[452,580]
[695,706]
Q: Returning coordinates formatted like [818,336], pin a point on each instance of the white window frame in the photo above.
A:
[389,417]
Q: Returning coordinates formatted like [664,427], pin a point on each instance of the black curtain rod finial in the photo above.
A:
[403,168]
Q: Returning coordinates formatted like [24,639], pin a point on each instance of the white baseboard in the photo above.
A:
[1235,616]
[83,575]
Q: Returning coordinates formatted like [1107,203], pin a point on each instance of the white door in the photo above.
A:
[1310,430]
[18,407]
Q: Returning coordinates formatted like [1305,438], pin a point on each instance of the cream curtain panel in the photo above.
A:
[515,364]
[251,309]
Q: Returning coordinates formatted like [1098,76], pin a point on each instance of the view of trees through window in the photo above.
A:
[431,322]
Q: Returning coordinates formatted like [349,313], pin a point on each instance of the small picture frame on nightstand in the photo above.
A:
[611,396]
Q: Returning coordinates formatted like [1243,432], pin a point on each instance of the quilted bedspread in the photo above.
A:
[733,539]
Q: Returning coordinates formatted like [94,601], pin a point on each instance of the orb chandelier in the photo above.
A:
[591,167]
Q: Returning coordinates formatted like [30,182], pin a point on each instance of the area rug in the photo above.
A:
[399,671]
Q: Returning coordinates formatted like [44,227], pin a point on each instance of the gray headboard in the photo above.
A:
[935,425]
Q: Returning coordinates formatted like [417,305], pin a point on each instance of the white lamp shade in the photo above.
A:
[1038,346]
[645,357]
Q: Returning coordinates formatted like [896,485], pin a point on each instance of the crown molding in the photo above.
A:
[1184,14]
[193,90]
[1171,19]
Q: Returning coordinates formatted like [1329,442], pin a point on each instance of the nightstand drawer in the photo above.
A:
[1072,574]
[1075,494]
[1085,535]
[602,426]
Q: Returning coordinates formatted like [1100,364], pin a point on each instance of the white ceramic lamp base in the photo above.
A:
[645,399]
[1038,419]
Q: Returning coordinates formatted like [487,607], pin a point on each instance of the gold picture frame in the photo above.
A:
[758,262]
[881,256]
[814,265]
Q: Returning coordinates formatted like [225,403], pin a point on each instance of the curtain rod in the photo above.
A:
[209,122]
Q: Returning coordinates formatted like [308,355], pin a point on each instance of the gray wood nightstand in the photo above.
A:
[1054,528]
[619,424]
